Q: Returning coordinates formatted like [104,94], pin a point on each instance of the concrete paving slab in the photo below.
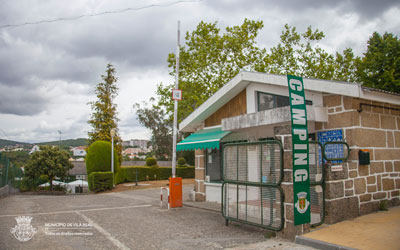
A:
[125,220]
[212,206]
[379,230]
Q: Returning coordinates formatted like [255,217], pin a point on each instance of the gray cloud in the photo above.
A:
[366,9]
[45,68]
[18,101]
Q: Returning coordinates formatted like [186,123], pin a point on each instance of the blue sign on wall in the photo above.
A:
[333,151]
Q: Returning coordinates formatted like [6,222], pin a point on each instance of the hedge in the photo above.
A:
[100,181]
[128,174]
[181,162]
[98,158]
[151,161]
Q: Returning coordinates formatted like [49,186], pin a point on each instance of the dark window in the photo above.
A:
[213,164]
[269,101]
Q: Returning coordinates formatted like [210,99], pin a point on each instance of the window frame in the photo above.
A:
[259,93]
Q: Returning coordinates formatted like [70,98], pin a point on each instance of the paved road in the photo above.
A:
[126,220]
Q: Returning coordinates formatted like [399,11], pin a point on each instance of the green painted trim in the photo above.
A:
[323,169]
[255,184]
[203,139]
[279,143]
[282,197]
[320,183]
[337,159]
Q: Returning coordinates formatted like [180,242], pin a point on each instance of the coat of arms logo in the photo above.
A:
[302,202]
[23,231]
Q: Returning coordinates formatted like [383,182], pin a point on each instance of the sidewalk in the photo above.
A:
[271,243]
[211,206]
[379,230]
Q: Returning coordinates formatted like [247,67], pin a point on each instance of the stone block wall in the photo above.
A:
[358,189]
[283,133]
[200,193]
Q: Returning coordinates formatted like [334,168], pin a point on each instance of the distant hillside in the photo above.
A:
[4,143]
[67,143]
[64,143]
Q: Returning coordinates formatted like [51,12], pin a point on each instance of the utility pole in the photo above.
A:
[175,106]
[112,133]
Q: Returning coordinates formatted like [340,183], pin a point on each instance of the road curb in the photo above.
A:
[198,207]
[320,244]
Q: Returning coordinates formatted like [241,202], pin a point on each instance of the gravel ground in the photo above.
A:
[124,220]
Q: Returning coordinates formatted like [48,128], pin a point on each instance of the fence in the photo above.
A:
[143,163]
[251,191]
[9,173]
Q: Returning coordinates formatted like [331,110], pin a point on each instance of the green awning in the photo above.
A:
[203,139]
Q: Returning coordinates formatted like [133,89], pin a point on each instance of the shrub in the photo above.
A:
[26,185]
[181,162]
[98,158]
[151,161]
[128,174]
[100,181]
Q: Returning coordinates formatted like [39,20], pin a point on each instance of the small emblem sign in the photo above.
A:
[336,168]
[177,94]
[302,202]
[23,231]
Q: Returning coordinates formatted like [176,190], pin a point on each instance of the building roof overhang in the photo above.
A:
[244,78]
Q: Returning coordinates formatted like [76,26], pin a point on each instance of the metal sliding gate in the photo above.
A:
[317,183]
[251,190]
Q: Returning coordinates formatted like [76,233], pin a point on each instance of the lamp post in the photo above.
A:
[112,133]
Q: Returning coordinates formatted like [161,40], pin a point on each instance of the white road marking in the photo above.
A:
[133,196]
[116,242]
[73,211]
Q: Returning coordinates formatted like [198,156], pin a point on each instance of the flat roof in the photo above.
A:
[244,78]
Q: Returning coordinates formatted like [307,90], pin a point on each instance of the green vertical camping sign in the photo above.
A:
[301,181]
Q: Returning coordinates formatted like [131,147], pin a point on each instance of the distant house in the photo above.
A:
[34,149]
[136,143]
[140,143]
[79,170]
[78,151]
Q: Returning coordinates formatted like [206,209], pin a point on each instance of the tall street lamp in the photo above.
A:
[112,133]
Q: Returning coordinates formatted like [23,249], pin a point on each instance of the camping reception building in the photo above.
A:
[242,139]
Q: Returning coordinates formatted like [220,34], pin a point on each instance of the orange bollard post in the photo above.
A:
[175,191]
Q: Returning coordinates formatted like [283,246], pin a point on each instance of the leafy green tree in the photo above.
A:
[208,60]
[299,54]
[380,66]
[156,119]
[346,66]
[48,161]
[18,158]
[104,116]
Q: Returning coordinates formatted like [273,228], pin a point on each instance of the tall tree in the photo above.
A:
[50,161]
[155,119]
[299,54]
[380,66]
[104,116]
[208,60]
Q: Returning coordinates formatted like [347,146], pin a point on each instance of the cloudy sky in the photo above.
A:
[48,71]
